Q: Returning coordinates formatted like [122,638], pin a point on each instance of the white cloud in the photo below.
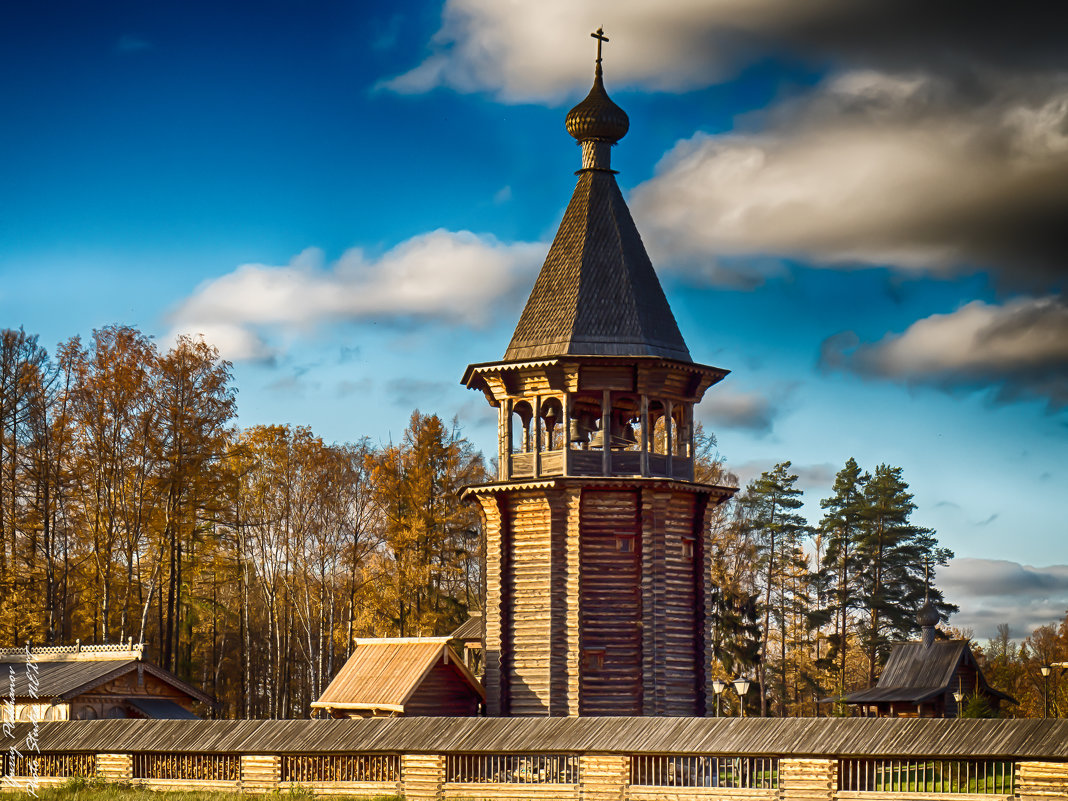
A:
[994,591]
[540,51]
[876,169]
[1019,349]
[443,276]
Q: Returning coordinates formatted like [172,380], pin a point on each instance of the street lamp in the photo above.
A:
[741,686]
[958,695]
[718,686]
[1045,670]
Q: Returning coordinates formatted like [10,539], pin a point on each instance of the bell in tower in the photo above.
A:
[597,571]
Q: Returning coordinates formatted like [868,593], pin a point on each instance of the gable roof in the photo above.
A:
[915,672]
[470,629]
[384,673]
[62,680]
[597,293]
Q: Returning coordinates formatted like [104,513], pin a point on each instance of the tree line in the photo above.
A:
[248,560]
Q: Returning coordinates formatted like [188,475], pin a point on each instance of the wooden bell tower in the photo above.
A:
[597,567]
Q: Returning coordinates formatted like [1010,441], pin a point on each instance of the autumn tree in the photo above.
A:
[432,537]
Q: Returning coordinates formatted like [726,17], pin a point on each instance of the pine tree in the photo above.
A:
[841,527]
[776,532]
[893,551]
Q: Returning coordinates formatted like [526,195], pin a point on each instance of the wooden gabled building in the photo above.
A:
[596,547]
[394,676]
[921,678]
[94,681]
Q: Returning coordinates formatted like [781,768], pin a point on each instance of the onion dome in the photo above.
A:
[927,615]
[597,118]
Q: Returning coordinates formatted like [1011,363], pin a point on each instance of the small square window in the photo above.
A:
[688,547]
[593,658]
[625,543]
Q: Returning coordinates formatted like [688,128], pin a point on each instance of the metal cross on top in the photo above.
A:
[600,37]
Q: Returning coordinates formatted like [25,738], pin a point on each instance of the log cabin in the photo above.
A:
[596,543]
[86,682]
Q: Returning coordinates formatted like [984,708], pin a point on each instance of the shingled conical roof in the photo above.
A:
[597,293]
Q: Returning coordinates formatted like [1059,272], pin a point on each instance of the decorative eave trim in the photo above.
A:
[474,370]
[722,493]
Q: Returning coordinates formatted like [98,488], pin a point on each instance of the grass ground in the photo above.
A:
[88,790]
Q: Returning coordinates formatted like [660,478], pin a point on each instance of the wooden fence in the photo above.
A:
[472,769]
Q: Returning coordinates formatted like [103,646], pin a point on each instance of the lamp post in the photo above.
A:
[1045,670]
[718,686]
[741,686]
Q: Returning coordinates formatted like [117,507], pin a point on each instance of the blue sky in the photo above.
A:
[352,200]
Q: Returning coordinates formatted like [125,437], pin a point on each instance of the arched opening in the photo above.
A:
[683,439]
[521,414]
[585,421]
[626,423]
[658,440]
[86,713]
[552,416]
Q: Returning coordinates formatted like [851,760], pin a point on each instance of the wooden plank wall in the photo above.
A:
[491,678]
[510,792]
[1041,781]
[681,659]
[114,767]
[808,779]
[565,657]
[653,550]
[611,604]
[422,776]
[260,773]
[443,693]
[528,585]
[603,777]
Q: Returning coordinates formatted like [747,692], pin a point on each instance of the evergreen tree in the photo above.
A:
[776,531]
[893,551]
[841,528]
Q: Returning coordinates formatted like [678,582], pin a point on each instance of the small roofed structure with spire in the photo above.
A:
[929,678]
[596,321]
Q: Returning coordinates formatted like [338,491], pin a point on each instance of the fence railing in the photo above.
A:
[307,769]
[752,773]
[971,776]
[49,765]
[512,768]
[190,767]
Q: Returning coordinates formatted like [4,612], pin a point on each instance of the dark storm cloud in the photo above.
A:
[947,34]
[750,411]
[994,591]
[529,51]
[1016,351]
[907,170]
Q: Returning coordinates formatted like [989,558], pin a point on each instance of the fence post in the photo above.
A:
[423,776]
[260,773]
[603,777]
[114,767]
[808,779]
[1040,781]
